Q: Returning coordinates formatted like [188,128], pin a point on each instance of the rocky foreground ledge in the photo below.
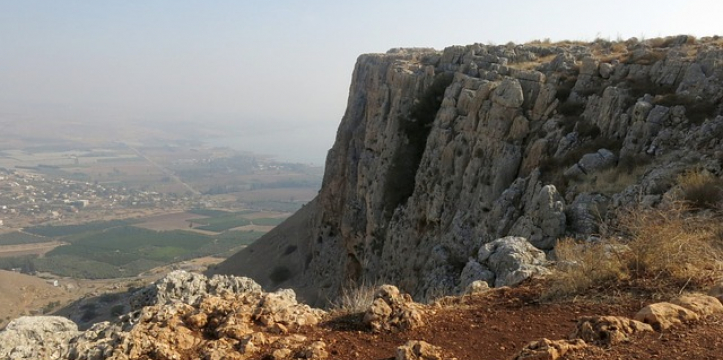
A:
[189,316]
[182,316]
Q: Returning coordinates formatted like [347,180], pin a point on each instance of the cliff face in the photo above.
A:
[439,153]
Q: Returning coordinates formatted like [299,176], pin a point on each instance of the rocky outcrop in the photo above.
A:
[662,316]
[37,337]
[442,152]
[236,320]
[393,311]
[418,350]
[608,330]
[510,260]
[703,305]
[191,316]
[189,288]
[545,349]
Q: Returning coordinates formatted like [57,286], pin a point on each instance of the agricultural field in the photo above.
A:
[127,248]
[172,221]
[20,238]
[89,201]
[59,231]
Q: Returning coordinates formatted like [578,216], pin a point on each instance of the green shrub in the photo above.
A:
[280,274]
[290,249]
[571,108]
[117,310]
[88,315]
[639,87]
[564,88]
[552,169]
[632,163]
[696,110]
[584,128]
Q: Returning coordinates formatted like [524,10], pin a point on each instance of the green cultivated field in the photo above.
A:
[223,223]
[268,221]
[128,251]
[18,238]
[65,230]
[116,248]
[220,221]
[112,249]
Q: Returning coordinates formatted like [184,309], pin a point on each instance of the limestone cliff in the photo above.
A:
[440,153]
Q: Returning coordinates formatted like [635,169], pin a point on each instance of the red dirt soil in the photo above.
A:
[498,324]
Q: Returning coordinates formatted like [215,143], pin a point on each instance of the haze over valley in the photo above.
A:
[323,180]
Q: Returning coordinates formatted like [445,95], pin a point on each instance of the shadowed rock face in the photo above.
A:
[440,153]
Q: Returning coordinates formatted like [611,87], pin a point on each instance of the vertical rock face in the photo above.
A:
[439,153]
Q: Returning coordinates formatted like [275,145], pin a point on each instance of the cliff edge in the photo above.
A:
[441,153]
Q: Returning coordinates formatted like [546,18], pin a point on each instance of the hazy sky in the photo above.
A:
[280,70]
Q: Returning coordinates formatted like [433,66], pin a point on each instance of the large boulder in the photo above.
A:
[703,305]
[37,337]
[512,259]
[544,221]
[592,162]
[418,350]
[509,94]
[608,330]
[665,315]
[393,311]
[474,272]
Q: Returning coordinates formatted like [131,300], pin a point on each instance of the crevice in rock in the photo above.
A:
[415,130]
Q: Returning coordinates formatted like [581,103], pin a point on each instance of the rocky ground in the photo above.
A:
[498,325]
[188,316]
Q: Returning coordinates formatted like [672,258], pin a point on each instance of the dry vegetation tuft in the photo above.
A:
[700,189]
[532,65]
[581,266]
[665,251]
[354,300]
[608,182]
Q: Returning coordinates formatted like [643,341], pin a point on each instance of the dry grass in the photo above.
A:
[664,251]
[674,244]
[700,189]
[562,43]
[532,65]
[581,266]
[608,182]
[354,300]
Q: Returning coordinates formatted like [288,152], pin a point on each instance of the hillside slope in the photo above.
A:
[439,153]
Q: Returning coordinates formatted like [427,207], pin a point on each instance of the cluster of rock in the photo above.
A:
[186,316]
[37,337]
[610,330]
[393,311]
[250,323]
[189,288]
[504,262]
[518,130]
